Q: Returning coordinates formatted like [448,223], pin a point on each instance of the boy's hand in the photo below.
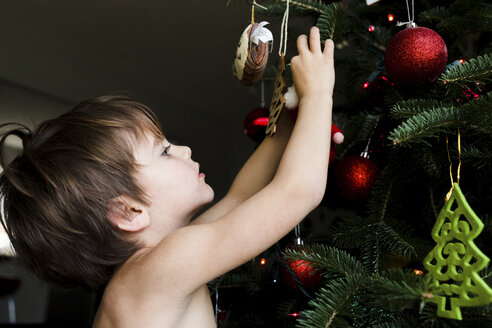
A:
[312,69]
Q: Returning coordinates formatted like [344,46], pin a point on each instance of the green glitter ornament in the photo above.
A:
[454,263]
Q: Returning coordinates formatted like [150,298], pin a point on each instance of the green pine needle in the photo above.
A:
[333,262]
[425,125]
[408,108]
[472,70]
[330,307]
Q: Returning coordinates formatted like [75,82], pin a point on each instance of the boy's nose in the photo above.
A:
[187,152]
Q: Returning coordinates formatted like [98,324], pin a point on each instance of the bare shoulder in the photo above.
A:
[134,299]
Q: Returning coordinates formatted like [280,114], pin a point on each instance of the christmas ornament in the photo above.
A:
[355,176]
[278,99]
[415,55]
[252,53]
[297,272]
[455,261]
[255,123]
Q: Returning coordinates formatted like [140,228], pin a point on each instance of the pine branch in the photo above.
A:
[425,125]
[328,21]
[475,116]
[408,108]
[394,242]
[311,5]
[398,288]
[371,253]
[334,262]
[360,128]
[379,201]
[351,232]
[469,71]
[330,305]
[434,14]
[455,21]
[426,157]
[398,324]
[297,7]
[428,122]
[479,156]
[429,317]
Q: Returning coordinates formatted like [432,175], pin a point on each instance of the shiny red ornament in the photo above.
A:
[304,273]
[415,55]
[255,123]
[355,176]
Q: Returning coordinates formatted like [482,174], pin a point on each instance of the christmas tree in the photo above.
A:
[417,119]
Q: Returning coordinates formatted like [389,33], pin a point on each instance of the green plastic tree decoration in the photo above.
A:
[454,263]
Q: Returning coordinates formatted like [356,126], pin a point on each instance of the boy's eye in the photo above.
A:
[165,152]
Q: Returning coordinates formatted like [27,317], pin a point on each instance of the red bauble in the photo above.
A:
[255,123]
[304,272]
[355,176]
[415,55]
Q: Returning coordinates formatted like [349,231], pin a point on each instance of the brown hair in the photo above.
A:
[56,195]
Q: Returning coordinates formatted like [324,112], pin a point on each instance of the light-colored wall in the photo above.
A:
[21,105]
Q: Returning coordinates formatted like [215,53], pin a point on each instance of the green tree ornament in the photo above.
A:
[454,263]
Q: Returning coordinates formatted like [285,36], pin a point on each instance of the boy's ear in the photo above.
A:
[128,215]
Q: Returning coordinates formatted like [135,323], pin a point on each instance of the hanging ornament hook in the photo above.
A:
[297,232]
[411,17]
[253,11]
[448,196]
[283,31]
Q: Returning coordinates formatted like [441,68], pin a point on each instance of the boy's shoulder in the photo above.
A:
[136,284]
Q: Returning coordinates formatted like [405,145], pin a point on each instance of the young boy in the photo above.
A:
[100,195]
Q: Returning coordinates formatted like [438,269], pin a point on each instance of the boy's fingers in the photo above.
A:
[314,41]
[329,48]
[302,45]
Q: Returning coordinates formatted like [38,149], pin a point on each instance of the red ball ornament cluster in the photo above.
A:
[304,272]
[355,176]
[415,55]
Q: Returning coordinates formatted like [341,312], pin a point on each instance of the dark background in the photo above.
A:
[175,56]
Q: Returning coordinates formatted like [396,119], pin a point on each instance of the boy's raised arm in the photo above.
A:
[255,174]
[200,253]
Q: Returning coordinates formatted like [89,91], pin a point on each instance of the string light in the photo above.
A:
[418,272]
[391,17]
[295,314]
[371,28]
[262,261]
[365,85]
[462,61]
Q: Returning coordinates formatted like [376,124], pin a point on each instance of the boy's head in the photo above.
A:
[57,194]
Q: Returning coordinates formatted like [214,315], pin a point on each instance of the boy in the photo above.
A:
[100,195]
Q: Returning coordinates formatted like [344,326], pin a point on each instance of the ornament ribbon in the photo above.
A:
[451,164]
[411,19]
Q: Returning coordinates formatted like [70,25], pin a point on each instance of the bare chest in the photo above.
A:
[163,312]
